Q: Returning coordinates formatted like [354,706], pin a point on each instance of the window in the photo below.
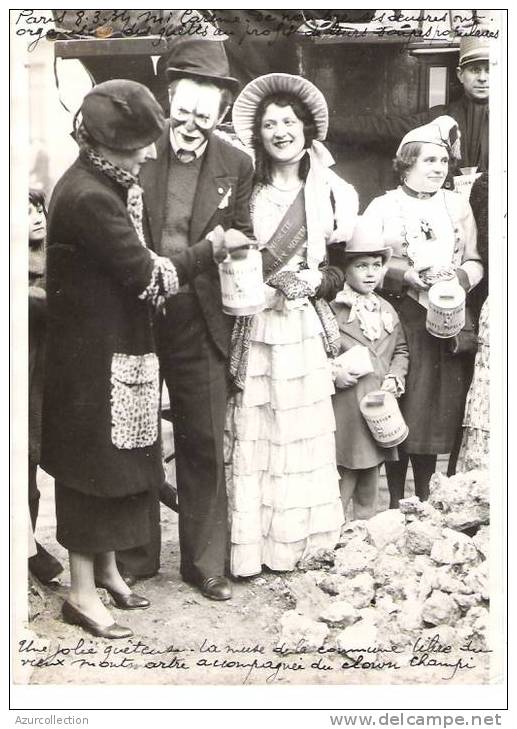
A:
[437,89]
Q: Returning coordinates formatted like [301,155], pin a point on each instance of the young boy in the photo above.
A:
[368,320]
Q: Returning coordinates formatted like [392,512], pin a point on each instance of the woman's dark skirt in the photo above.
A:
[436,386]
[92,524]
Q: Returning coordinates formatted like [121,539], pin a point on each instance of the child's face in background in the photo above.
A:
[37,223]
[363,273]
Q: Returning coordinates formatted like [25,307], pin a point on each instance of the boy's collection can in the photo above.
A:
[383,417]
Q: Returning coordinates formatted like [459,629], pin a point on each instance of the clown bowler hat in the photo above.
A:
[367,240]
[200,59]
[122,115]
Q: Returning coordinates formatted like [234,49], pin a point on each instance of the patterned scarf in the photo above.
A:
[366,308]
[135,201]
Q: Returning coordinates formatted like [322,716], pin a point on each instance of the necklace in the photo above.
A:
[287,189]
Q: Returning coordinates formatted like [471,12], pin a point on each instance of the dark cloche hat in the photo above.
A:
[200,59]
[122,115]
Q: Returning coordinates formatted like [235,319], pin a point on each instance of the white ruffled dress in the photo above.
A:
[283,485]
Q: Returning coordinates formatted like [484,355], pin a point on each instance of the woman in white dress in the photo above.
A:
[283,484]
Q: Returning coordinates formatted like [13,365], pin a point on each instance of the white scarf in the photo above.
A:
[321,220]
[366,308]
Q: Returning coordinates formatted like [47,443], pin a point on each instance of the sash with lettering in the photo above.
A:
[286,241]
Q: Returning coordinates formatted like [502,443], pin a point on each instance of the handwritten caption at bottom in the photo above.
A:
[250,661]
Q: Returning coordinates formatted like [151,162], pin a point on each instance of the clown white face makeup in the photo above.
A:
[195,111]
[430,169]
[282,134]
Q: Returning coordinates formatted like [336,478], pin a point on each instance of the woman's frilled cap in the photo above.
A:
[200,59]
[245,106]
[367,240]
[474,49]
[443,131]
[122,115]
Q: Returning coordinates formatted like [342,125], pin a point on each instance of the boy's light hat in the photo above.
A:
[367,240]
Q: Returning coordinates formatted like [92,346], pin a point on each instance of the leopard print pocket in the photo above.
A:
[135,400]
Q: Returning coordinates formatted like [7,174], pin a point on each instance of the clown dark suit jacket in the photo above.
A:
[225,169]
[199,339]
[96,268]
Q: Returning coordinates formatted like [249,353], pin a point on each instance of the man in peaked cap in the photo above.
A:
[470,111]
[198,186]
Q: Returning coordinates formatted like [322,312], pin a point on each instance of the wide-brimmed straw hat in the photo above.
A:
[443,131]
[246,104]
[367,240]
[122,115]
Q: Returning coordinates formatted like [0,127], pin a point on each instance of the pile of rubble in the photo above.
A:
[400,576]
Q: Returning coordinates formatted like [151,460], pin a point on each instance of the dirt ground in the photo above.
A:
[183,638]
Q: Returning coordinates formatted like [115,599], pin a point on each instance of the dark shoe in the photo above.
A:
[73,616]
[169,496]
[215,588]
[44,566]
[125,602]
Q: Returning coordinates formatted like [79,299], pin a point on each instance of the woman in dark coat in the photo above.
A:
[100,436]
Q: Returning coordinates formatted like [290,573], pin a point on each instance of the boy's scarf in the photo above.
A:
[366,308]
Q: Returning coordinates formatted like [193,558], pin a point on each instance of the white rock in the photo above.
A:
[445,634]
[421,536]
[412,505]
[356,557]
[476,579]
[353,530]
[360,636]
[474,628]
[463,499]
[467,601]
[454,548]
[319,559]
[386,527]
[482,541]
[339,614]
[310,600]
[372,615]
[422,562]
[359,590]
[440,608]
[447,580]
[300,633]
[386,603]
[409,617]
[332,584]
